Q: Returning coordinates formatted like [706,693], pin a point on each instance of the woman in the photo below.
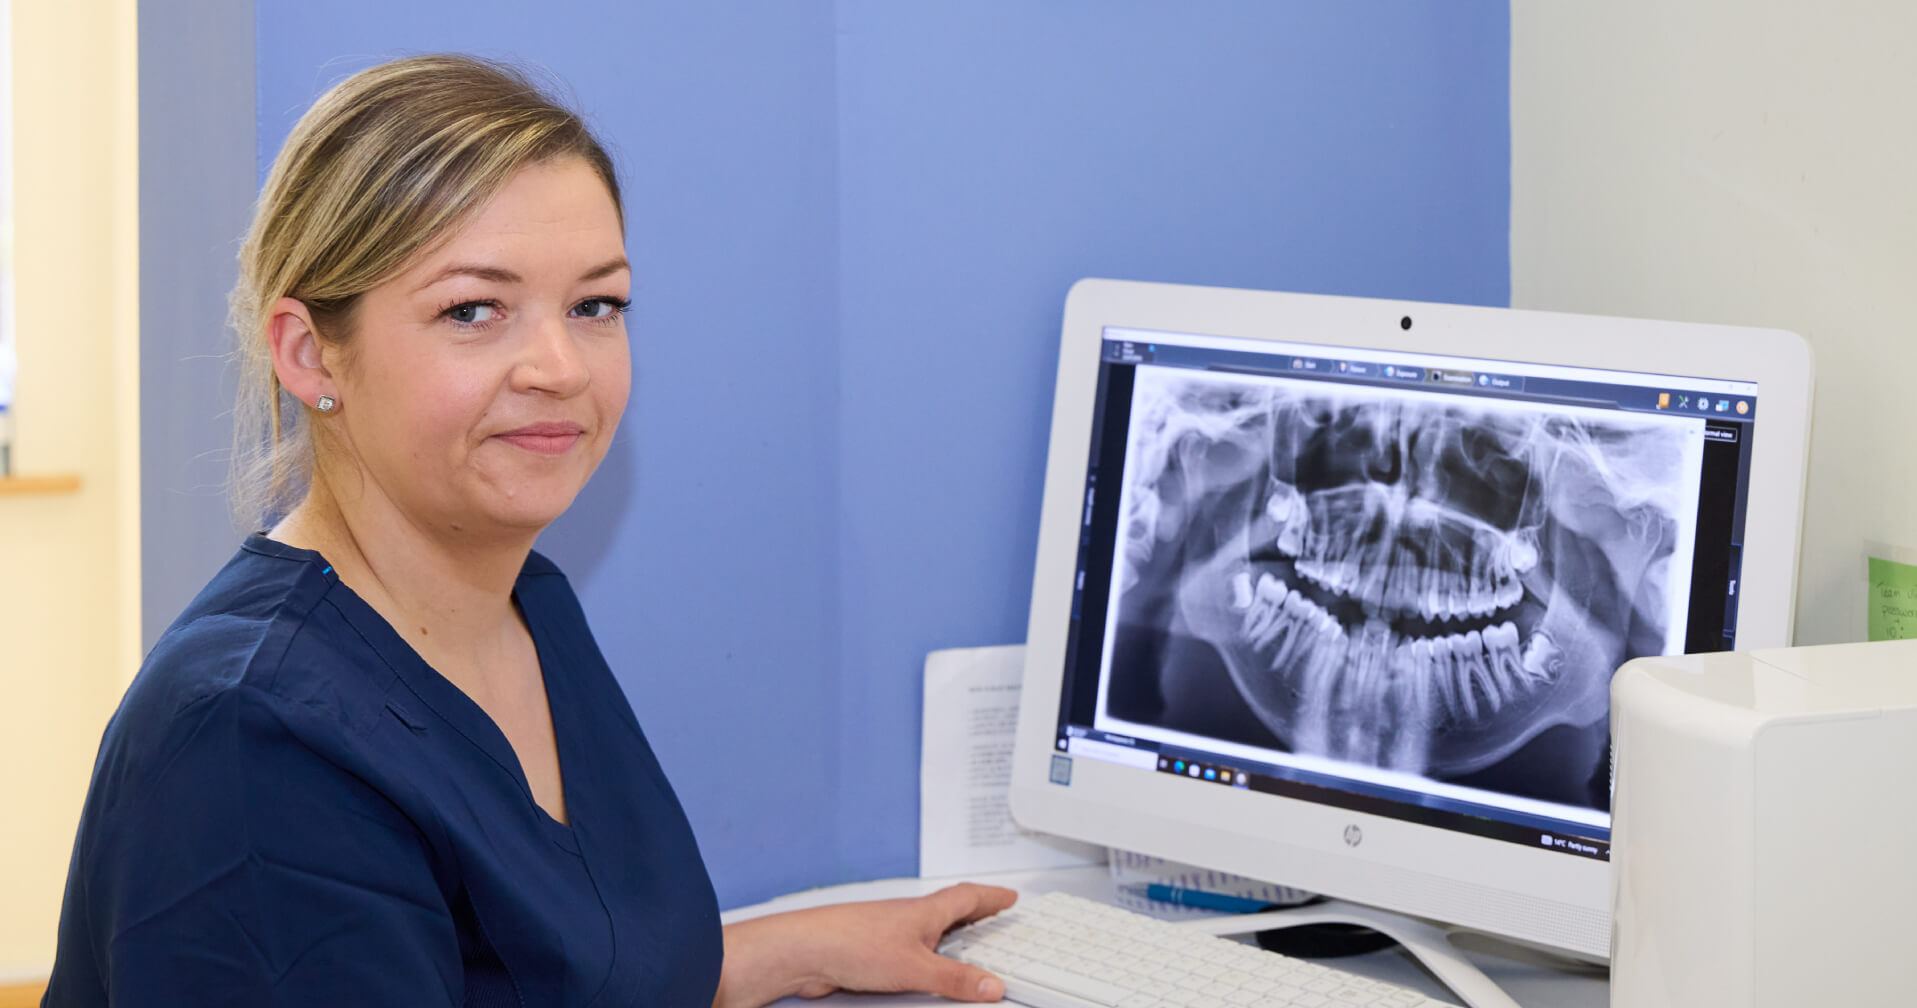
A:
[379,760]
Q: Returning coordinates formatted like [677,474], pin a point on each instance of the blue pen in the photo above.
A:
[1202,899]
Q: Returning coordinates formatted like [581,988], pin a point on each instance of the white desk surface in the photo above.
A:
[1533,980]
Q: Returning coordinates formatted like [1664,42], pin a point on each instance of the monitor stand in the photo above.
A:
[1429,943]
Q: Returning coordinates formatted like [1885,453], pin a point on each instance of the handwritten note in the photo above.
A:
[1891,609]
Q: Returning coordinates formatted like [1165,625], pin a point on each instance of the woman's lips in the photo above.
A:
[544,438]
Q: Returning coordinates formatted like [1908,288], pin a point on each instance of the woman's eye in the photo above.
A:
[598,308]
[472,312]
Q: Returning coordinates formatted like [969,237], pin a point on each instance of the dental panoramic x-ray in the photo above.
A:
[1419,582]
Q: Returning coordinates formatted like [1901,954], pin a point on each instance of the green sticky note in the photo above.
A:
[1893,600]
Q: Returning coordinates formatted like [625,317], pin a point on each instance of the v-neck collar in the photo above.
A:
[439,694]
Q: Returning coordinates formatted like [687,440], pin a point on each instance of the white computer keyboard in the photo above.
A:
[1060,951]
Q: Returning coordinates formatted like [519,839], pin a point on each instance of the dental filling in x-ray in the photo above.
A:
[1426,583]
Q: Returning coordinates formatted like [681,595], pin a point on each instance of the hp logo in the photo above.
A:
[1353,835]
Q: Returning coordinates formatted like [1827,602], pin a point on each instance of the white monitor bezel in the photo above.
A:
[1495,886]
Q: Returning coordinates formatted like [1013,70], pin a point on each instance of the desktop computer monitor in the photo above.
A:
[1329,591]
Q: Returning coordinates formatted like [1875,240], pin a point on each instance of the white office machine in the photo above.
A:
[1329,591]
[1764,824]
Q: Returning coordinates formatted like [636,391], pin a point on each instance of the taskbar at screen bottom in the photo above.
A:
[1565,838]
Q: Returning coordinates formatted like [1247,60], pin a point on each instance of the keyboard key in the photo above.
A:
[1076,984]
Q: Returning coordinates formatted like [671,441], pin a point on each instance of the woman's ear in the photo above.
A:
[297,359]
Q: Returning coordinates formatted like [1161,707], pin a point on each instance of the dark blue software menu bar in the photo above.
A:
[1671,399]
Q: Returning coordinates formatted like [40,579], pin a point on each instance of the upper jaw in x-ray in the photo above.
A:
[1418,585]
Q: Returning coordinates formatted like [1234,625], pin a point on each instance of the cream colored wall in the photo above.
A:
[1751,162]
[69,563]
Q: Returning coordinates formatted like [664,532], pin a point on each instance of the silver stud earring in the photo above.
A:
[326,404]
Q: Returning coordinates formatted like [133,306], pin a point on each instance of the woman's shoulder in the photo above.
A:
[232,784]
[266,605]
[265,639]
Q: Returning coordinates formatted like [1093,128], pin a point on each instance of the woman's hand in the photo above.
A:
[885,945]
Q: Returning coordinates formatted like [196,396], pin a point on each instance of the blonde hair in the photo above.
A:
[384,166]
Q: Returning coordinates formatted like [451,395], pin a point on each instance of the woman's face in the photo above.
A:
[482,385]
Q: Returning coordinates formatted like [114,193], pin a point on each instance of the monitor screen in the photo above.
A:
[1386,573]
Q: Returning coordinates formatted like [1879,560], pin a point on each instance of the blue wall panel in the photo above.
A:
[992,153]
[853,226]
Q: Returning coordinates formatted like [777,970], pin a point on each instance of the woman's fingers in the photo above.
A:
[969,901]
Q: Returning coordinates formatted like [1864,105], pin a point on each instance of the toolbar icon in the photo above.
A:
[1663,400]
[1743,407]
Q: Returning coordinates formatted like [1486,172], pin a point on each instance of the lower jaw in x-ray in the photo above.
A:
[1417,584]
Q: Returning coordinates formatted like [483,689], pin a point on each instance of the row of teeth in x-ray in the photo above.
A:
[1371,543]
[1469,675]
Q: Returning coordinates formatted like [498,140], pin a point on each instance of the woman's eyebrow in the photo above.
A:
[494,274]
[606,269]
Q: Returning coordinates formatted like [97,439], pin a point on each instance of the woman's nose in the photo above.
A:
[552,361]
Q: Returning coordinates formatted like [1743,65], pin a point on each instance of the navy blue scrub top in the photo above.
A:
[292,808]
